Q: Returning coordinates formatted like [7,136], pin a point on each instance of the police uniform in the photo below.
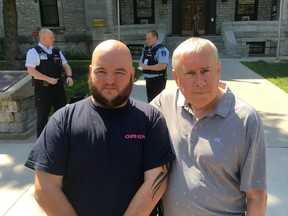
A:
[47,61]
[155,80]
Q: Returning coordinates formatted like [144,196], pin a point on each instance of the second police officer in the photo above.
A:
[153,62]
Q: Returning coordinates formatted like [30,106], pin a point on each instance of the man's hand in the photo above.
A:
[52,81]
[69,81]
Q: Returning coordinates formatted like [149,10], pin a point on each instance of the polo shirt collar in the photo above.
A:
[155,44]
[49,49]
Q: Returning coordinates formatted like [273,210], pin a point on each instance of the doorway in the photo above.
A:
[189,9]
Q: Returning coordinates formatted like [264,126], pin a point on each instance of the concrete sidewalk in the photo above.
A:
[16,181]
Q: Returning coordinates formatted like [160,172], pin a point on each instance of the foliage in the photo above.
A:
[80,85]
[276,73]
[11,41]
[77,55]
[2,53]
[2,65]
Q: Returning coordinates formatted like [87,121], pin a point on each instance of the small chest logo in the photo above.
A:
[135,136]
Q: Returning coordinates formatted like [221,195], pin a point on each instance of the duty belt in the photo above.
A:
[46,84]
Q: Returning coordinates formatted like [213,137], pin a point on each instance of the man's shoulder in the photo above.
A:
[141,105]
[78,108]
[144,107]
[166,98]
[160,46]
[244,107]
[32,49]
[37,48]
[162,50]
[170,92]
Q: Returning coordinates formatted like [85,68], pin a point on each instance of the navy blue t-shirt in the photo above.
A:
[102,153]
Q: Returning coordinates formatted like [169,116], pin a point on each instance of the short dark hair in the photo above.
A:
[153,32]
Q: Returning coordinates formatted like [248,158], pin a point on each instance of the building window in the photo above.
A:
[144,11]
[49,13]
[256,47]
[274,10]
[246,10]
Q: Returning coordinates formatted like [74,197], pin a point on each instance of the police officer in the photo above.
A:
[45,64]
[153,62]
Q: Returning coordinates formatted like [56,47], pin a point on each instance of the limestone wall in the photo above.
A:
[70,35]
[17,110]
[259,31]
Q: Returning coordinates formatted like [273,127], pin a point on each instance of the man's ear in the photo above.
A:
[175,75]
[90,69]
[133,72]
[219,67]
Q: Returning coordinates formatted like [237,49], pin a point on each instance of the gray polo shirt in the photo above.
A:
[219,157]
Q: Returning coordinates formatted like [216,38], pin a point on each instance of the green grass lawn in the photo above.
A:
[2,65]
[276,73]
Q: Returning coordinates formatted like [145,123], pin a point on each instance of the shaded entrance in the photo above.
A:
[182,15]
[189,9]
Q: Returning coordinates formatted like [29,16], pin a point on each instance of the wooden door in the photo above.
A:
[189,9]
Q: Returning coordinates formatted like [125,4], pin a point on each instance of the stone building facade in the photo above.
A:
[84,23]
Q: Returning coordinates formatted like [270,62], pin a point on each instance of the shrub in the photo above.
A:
[77,55]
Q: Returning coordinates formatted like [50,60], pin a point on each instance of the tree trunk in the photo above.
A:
[11,42]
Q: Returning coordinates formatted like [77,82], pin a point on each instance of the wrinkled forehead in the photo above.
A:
[150,35]
[204,57]
[111,59]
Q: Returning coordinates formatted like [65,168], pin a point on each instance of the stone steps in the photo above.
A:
[134,37]
[173,41]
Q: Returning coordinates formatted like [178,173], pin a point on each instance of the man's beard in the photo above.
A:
[117,101]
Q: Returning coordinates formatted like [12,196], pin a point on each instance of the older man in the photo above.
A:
[218,140]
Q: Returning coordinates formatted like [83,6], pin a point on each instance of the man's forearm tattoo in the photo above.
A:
[160,178]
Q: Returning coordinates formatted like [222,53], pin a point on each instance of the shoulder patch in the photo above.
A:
[163,52]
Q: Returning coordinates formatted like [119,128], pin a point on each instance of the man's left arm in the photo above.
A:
[148,195]
[68,72]
[67,69]
[256,202]
[157,67]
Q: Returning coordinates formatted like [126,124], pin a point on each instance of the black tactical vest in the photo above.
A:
[150,54]
[50,64]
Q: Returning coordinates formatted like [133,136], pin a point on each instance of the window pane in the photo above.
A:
[48,2]
[246,9]
[144,12]
[143,3]
[50,17]
[49,12]
[246,1]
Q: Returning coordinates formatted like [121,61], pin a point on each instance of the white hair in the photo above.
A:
[192,45]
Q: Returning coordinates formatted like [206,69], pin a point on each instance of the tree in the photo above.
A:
[11,41]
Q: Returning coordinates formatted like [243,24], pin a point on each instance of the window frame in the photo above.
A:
[252,15]
[142,19]
[54,6]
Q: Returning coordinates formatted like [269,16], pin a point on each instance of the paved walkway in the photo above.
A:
[16,181]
